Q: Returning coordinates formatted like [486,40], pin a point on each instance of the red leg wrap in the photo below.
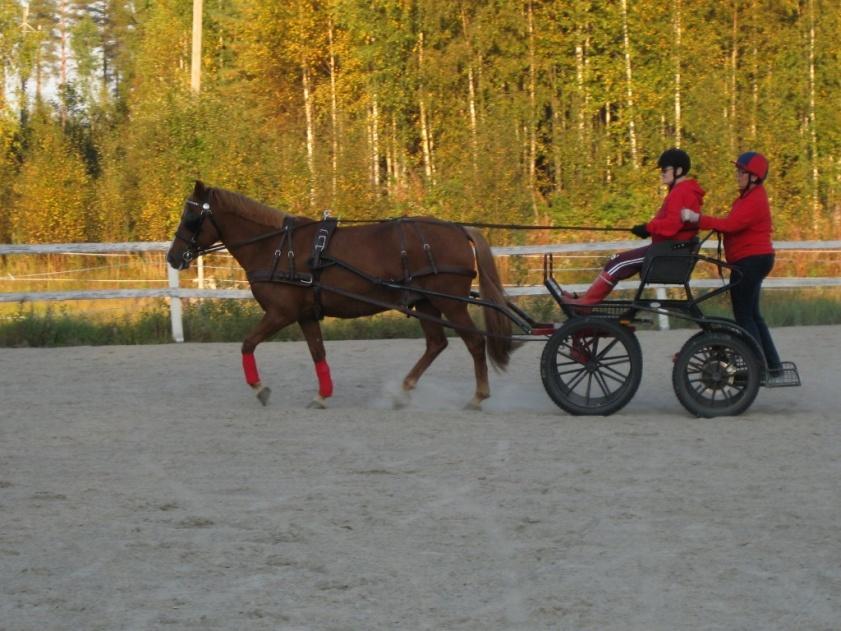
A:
[249,366]
[325,383]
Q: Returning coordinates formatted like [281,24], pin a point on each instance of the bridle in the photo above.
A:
[194,250]
[194,226]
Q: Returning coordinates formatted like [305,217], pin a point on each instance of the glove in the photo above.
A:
[687,215]
[640,231]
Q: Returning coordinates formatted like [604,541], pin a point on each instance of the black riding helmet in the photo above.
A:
[675,158]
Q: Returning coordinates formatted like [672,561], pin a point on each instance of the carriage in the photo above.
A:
[592,363]
[301,270]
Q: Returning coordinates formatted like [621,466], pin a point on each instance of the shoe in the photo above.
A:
[597,292]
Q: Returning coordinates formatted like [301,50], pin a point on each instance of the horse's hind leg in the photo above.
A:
[312,333]
[270,324]
[436,342]
[456,313]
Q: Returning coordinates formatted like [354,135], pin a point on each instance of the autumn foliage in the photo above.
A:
[528,111]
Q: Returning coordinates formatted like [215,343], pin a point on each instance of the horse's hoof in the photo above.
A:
[264,394]
[317,403]
[400,401]
[474,405]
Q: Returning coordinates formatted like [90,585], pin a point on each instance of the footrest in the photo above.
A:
[543,328]
[785,377]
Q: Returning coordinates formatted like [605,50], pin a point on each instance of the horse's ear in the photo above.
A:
[198,191]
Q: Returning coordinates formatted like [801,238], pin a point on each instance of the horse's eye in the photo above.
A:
[192,222]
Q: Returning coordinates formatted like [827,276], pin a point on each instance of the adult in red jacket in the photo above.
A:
[666,225]
[747,247]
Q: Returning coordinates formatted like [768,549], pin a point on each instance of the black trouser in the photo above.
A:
[745,298]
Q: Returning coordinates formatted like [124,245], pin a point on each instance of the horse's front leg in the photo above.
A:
[270,324]
[312,333]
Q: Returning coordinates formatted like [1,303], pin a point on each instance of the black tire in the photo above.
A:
[591,366]
[716,374]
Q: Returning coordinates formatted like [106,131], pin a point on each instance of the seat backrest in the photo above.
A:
[670,262]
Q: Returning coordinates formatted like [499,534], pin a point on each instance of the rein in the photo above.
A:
[505,226]
[195,251]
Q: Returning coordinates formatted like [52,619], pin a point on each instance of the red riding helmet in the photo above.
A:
[754,163]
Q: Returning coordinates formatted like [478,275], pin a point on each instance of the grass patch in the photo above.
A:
[231,320]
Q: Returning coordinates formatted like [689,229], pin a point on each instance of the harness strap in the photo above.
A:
[426,247]
[271,276]
[404,255]
[319,262]
[288,224]
[290,275]
[435,269]
[425,316]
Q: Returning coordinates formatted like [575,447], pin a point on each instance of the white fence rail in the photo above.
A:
[175,293]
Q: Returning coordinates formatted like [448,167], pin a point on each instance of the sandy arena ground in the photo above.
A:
[146,488]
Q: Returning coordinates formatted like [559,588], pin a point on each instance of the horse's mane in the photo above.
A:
[249,209]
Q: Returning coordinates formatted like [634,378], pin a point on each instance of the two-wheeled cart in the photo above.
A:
[592,362]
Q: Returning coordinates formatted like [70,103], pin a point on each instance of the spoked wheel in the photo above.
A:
[716,374]
[591,366]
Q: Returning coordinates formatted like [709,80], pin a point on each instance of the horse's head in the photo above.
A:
[196,232]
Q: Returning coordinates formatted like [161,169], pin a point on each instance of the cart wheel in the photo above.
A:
[591,366]
[716,374]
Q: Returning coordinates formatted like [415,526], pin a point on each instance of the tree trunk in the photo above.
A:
[813,137]
[63,53]
[629,91]
[375,143]
[532,116]
[582,62]
[734,58]
[399,166]
[677,57]
[471,95]
[557,122]
[608,162]
[754,72]
[308,113]
[195,66]
[334,116]
[63,28]
[426,136]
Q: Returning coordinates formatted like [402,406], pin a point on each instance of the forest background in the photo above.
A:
[488,110]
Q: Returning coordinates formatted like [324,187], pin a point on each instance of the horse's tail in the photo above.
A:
[499,343]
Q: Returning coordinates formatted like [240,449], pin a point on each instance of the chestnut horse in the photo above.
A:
[300,270]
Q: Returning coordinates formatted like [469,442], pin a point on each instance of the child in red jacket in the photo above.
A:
[666,225]
[747,247]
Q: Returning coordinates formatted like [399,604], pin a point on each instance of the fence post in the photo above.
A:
[175,306]
[663,319]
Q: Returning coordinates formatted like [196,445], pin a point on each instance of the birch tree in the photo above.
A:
[629,86]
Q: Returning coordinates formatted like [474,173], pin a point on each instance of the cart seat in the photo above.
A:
[670,262]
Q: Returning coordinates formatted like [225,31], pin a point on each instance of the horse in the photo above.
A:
[301,270]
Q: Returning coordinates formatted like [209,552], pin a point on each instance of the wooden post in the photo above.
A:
[175,306]
[663,319]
